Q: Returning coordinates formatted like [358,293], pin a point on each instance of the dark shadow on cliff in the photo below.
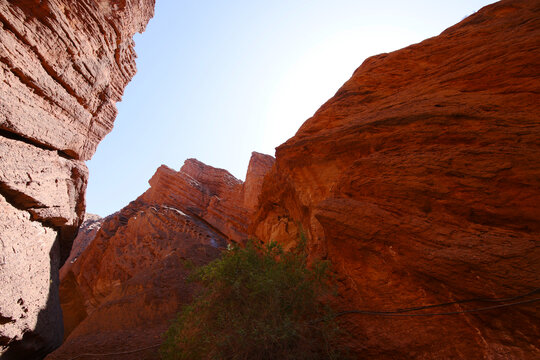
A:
[48,332]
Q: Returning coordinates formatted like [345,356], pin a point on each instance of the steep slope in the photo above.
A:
[123,290]
[420,181]
[63,66]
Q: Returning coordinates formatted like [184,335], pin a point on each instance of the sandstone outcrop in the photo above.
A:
[211,193]
[121,293]
[258,167]
[123,290]
[420,181]
[33,303]
[63,66]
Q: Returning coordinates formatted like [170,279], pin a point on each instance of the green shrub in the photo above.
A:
[258,302]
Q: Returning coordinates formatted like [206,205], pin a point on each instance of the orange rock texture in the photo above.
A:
[121,293]
[420,181]
[123,290]
[210,193]
[63,66]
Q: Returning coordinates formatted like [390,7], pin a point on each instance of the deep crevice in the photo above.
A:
[33,142]
[18,137]
[20,200]
[6,320]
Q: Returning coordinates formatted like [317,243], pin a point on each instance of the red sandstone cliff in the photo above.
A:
[122,291]
[210,193]
[63,66]
[420,181]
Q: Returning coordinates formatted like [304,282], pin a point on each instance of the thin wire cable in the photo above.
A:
[116,353]
[398,312]
[401,313]
[537,290]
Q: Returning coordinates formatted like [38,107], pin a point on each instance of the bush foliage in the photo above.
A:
[258,302]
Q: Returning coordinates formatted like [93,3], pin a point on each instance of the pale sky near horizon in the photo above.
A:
[217,80]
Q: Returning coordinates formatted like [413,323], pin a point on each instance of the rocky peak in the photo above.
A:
[211,193]
[186,215]
[259,166]
[217,181]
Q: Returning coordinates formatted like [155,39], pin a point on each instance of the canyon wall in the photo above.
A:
[122,291]
[63,66]
[420,181]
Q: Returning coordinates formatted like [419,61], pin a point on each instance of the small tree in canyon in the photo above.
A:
[258,302]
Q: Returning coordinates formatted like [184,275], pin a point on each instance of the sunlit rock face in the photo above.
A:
[259,165]
[211,193]
[63,66]
[420,181]
[123,290]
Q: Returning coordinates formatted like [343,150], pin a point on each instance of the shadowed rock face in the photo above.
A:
[122,291]
[420,181]
[63,66]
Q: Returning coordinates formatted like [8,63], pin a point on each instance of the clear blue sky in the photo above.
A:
[219,79]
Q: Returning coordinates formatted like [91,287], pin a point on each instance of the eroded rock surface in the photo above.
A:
[63,66]
[29,258]
[211,193]
[420,181]
[123,290]
[121,293]
[66,64]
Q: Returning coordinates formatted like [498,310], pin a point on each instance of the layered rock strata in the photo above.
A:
[420,181]
[211,193]
[63,66]
[121,293]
